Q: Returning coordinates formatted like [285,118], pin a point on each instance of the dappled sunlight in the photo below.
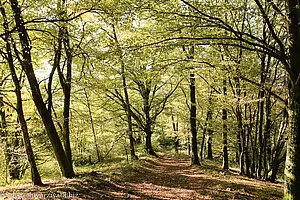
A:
[163,178]
[164,192]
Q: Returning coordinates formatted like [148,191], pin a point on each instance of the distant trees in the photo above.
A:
[120,64]
[242,35]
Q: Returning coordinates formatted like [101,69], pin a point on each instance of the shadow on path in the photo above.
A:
[160,178]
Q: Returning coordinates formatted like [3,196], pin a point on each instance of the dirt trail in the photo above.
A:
[174,178]
[164,178]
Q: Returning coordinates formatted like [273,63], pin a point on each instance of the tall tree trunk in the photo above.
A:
[195,158]
[292,169]
[129,117]
[145,92]
[260,133]
[99,157]
[240,134]
[67,100]
[267,137]
[127,101]
[225,142]
[247,134]
[35,176]
[209,128]
[261,110]
[65,81]
[65,165]
[241,139]
[239,121]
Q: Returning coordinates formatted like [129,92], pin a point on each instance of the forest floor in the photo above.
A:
[165,177]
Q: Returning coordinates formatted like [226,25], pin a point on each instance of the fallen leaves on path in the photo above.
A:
[162,178]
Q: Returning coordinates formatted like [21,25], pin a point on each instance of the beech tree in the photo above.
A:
[26,63]
[285,52]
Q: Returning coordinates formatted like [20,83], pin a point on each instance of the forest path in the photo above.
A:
[174,178]
[165,177]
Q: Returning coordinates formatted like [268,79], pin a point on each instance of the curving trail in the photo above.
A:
[174,178]
[163,178]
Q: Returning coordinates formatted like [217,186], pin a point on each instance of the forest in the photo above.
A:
[141,99]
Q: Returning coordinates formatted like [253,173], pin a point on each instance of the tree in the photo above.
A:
[195,158]
[26,64]
[225,140]
[287,54]
[36,179]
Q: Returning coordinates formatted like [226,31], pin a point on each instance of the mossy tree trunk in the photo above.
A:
[292,169]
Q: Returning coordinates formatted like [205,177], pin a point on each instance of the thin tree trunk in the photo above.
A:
[260,133]
[239,121]
[65,81]
[3,136]
[127,101]
[267,137]
[99,157]
[188,144]
[247,134]
[209,147]
[195,158]
[67,101]
[240,132]
[175,131]
[225,142]
[203,137]
[261,116]
[209,128]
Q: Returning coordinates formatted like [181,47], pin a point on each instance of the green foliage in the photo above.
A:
[152,41]
[2,167]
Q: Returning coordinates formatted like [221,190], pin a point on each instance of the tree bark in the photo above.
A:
[260,133]
[149,148]
[65,81]
[204,136]
[65,165]
[292,169]
[99,157]
[225,142]
[175,131]
[195,158]
[188,143]
[35,176]
[67,101]
[127,101]
[267,137]
[3,135]
[145,92]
